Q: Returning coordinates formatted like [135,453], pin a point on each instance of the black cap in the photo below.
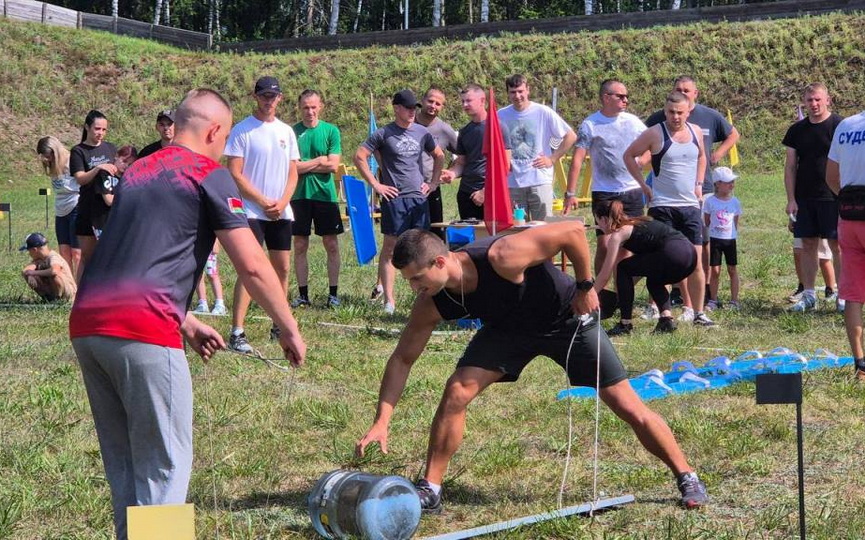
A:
[33,240]
[406,99]
[267,84]
[167,113]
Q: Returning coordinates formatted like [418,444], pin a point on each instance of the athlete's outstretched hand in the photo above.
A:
[377,433]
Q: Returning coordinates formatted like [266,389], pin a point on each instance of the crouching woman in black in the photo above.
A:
[658,252]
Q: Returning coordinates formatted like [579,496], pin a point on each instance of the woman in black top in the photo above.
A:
[642,247]
[87,160]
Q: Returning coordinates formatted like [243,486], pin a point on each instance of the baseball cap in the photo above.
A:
[723,174]
[267,84]
[167,113]
[405,98]
[33,240]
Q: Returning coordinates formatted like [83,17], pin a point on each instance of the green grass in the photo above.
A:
[261,443]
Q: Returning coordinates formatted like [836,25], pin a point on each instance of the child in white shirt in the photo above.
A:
[721,213]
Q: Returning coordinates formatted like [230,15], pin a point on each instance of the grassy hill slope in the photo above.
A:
[50,77]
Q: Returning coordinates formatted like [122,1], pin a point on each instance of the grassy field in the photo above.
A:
[261,442]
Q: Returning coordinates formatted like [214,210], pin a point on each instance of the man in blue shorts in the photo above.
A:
[529,308]
[402,188]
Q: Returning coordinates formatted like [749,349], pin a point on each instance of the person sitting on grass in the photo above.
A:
[660,253]
[528,308]
[48,274]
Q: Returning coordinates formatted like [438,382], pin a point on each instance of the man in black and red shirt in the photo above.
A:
[130,316]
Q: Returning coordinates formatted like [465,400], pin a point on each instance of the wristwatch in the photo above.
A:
[569,194]
[585,285]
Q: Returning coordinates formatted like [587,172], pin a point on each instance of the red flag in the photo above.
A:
[497,198]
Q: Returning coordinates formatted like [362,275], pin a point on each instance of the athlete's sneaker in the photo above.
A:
[666,325]
[806,303]
[840,305]
[621,329]
[702,320]
[650,313]
[219,309]
[201,308]
[274,333]
[332,301]
[692,489]
[711,305]
[389,308]
[687,314]
[734,305]
[829,294]
[239,343]
[796,296]
[300,302]
[377,291]
[430,501]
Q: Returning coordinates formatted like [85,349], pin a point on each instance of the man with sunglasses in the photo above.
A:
[604,136]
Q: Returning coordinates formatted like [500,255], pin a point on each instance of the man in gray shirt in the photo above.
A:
[402,188]
[445,137]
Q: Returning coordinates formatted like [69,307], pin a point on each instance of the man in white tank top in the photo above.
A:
[679,164]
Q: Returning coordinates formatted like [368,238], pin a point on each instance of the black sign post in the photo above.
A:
[7,207]
[786,388]
[45,192]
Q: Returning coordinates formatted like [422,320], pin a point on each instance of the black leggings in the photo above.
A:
[671,264]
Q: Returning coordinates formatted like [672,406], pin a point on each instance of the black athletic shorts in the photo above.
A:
[510,352]
[816,219]
[404,213]
[688,220]
[632,202]
[324,214]
[725,247]
[276,235]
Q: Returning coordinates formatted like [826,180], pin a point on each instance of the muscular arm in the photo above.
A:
[579,157]
[701,165]
[833,176]
[791,163]
[725,146]
[646,142]
[320,164]
[422,321]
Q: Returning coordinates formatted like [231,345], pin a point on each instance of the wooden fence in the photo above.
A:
[611,21]
[33,11]
[41,12]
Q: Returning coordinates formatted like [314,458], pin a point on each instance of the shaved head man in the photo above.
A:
[130,317]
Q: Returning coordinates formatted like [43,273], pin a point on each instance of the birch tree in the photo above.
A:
[157,12]
[334,17]
[485,11]
[437,13]
[589,7]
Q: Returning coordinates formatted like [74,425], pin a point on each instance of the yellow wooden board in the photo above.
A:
[163,522]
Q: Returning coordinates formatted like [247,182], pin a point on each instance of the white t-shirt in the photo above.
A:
[848,150]
[606,138]
[527,135]
[267,149]
[722,214]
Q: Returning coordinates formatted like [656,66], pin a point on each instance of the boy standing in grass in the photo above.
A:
[721,213]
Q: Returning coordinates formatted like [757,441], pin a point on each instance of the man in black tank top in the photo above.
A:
[529,308]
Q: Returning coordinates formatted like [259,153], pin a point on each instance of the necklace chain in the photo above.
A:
[462,302]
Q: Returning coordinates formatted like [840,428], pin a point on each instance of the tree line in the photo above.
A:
[250,20]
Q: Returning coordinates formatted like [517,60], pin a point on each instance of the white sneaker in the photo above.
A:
[687,314]
[840,305]
[219,309]
[650,313]
[806,303]
[389,308]
[201,308]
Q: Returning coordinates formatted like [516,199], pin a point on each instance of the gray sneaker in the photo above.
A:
[806,303]
[300,302]
[692,489]
[239,343]
[332,301]
[702,320]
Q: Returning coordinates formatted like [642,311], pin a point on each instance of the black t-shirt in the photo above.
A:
[150,149]
[650,236]
[83,158]
[811,143]
[104,184]
[539,305]
[470,145]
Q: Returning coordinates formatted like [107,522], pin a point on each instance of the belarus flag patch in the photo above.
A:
[235,205]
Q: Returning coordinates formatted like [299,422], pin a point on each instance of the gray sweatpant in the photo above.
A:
[141,399]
